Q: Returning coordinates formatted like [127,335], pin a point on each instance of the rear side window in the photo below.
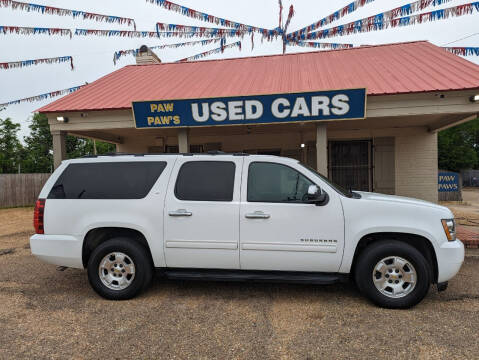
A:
[206,181]
[113,180]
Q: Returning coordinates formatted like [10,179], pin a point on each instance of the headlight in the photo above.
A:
[449,226]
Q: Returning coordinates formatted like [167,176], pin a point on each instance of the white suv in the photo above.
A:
[238,217]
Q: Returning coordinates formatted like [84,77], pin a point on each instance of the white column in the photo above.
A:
[322,149]
[59,147]
[183,141]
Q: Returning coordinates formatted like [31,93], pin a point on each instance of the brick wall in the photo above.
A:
[416,165]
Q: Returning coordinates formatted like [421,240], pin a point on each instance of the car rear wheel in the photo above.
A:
[393,274]
[119,269]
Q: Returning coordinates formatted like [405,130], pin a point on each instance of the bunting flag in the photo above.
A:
[24,63]
[34,30]
[348,9]
[463,51]
[42,96]
[17,5]
[183,10]
[118,54]
[210,52]
[404,10]
[201,31]
[385,20]
[121,33]
[286,25]
[319,45]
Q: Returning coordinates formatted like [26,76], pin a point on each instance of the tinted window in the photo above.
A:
[206,181]
[114,180]
[269,182]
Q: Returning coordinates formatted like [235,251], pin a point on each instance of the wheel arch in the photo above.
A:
[421,243]
[97,236]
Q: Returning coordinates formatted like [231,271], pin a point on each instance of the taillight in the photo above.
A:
[38,216]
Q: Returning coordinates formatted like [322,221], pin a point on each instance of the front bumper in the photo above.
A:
[63,250]
[450,257]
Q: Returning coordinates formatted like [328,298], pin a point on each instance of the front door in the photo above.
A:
[201,212]
[278,230]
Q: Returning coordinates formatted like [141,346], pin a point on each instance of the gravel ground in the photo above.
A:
[49,314]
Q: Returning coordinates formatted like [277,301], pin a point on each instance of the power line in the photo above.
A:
[466,37]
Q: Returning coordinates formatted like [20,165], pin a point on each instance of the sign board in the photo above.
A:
[247,110]
[448,181]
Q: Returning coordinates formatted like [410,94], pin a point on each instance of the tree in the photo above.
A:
[10,148]
[38,146]
[459,147]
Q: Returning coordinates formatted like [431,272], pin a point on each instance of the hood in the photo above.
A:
[400,200]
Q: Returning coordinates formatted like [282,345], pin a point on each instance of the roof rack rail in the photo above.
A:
[215,152]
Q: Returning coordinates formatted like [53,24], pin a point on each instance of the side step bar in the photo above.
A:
[254,276]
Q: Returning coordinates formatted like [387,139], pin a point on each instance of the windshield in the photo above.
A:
[340,189]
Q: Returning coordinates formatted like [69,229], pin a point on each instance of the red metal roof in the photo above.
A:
[384,69]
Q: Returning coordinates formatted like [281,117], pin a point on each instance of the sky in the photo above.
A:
[93,56]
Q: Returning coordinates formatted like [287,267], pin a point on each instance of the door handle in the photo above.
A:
[257,215]
[180,212]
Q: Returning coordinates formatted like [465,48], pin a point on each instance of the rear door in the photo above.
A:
[278,230]
[202,211]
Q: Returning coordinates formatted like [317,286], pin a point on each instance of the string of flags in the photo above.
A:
[212,32]
[191,13]
[118,54]
[348,9]
[21,30]
[121,33]
[50,10]
[210,52]
[320,45]
[463,51]
[24,63]
[385,20]
[42,96]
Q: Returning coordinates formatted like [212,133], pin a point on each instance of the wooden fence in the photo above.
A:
[20,189]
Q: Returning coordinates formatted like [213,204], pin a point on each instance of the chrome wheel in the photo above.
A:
[116,271]
[394,277]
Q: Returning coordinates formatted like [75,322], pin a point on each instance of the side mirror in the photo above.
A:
[316,195]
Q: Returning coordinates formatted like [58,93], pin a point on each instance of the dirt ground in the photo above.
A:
[47,314]
[467,212]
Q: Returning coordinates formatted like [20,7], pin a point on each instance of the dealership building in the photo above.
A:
[366,117]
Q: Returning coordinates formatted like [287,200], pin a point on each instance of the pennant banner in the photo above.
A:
[134,52]
[121,33]
[34,30]
[183,10]
[348,9]
[319,45]
[17,5]
[24,63]
[463,51]
[210,52]
[385,20]
[212,32]
[42,96]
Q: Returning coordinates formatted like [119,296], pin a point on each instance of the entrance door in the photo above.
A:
[201,212]
[278,230]
[350,164]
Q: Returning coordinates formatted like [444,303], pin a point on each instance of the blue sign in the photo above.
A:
[248,110]
[448,181]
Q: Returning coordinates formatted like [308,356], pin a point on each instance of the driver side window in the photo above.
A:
[277,183]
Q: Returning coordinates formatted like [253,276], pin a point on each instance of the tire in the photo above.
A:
[125,281]
[377,264]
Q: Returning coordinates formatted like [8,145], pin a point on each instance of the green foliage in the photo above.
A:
[459,147]
[11,150]
[37,154]
[38,146]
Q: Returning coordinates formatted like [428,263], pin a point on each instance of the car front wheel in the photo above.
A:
[393,274]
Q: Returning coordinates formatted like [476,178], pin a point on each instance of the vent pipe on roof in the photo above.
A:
[146,56]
